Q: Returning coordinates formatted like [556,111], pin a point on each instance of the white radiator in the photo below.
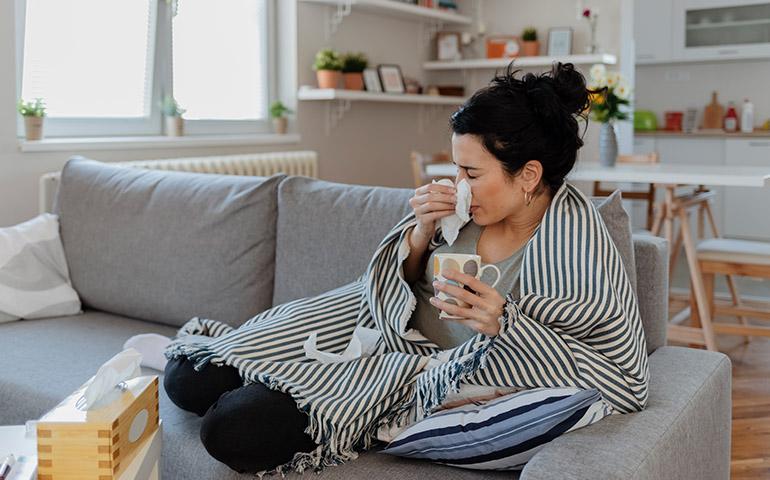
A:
[303,163]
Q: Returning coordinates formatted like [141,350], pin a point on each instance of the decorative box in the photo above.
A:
[99,443]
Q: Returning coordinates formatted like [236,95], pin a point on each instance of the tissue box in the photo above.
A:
[99,443]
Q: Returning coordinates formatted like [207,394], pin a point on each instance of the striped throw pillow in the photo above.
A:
[34,278]
[501,434]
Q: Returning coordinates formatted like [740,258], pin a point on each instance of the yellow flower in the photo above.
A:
[597,98]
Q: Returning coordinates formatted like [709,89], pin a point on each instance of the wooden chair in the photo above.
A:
[420,161]
[731,257]
[648,196]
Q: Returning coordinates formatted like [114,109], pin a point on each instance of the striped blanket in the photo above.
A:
[576,324]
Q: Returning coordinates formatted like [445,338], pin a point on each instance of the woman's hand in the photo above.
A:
[430,203]
[486,305]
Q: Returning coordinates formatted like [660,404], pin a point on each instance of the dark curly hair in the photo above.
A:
[530,118]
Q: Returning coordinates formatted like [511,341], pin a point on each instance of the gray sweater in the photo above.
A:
[450,333]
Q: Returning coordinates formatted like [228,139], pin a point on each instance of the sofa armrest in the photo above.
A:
[683,433]
[652,287]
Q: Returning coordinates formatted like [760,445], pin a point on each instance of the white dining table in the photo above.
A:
[664,174]
[674,207]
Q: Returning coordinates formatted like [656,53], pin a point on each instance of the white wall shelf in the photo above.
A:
[522,62]
[309,93]
[338,102]
[397,9]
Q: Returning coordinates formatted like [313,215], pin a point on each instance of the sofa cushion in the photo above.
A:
[168,246]
[34,279]
[618,225]
[45,360]
[327,233]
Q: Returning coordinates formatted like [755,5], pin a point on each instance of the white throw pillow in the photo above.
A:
[34,278]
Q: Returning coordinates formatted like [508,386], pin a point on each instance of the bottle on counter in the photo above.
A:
[747,116]
[731,118]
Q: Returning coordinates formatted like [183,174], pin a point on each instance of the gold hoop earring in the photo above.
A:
[527,198]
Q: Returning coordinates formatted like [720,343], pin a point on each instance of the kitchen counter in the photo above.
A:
[702,134]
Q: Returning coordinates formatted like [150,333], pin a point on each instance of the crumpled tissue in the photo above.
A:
[363,344]
[102,388]
[450,226]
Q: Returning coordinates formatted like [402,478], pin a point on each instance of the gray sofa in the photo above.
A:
[148,250]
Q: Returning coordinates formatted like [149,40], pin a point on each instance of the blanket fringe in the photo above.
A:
[197,353]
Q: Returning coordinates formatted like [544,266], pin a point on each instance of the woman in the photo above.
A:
[514,142]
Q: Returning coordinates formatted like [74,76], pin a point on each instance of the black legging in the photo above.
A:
[248,428]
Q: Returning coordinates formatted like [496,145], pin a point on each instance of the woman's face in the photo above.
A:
[496,195]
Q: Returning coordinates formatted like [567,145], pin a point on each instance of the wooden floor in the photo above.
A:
[751,406]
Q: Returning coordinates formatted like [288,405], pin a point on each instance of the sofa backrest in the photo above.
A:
[168,246]
[327,232]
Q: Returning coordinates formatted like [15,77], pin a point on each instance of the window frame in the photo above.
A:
[161,64]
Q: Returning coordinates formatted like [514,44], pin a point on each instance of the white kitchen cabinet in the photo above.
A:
[652,30]
[720,29]
[747,210]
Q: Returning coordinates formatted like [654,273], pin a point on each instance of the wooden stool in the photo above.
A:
[420,161]
[731,257]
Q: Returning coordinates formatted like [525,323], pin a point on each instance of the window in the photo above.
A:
[103,66]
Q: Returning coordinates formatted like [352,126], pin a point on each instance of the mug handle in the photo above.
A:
[495,269]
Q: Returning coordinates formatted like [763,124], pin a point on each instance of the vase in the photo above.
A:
[530,48]
[353,80]
[33,128]
[592,48]
[280,125]
[174,126]
[328,78]
[608,145]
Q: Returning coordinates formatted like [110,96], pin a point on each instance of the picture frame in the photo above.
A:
[559,41]
[372,80]
[391,79]
[448,46]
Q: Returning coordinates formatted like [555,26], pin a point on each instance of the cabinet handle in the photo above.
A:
[759,144]
[731,51]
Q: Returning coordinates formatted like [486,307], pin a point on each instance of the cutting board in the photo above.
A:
[713,114]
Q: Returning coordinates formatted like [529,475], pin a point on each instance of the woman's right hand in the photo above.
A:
[431,203]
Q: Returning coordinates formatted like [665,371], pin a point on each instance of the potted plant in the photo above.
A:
[172,114]
[530,45]
[353,65]
[278,113]
[33,113]
[610,97]
[327,66]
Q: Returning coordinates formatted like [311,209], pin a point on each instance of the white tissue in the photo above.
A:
[363,344]
[101,390]
[151,346]
[450,226]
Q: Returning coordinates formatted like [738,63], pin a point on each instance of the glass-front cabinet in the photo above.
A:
[715,29]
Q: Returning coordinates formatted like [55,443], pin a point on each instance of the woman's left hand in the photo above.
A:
[486,305]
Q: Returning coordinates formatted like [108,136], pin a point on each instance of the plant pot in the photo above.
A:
[608,145]
[280,125]
[33,128]
[353,80]
[174,126]
[328,78]
[530,48]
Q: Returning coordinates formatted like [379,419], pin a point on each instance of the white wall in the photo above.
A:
[371,144]
[681,86]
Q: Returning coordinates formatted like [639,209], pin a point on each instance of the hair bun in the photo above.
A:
[559,91]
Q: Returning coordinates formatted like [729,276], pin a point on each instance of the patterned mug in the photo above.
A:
[466,263]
